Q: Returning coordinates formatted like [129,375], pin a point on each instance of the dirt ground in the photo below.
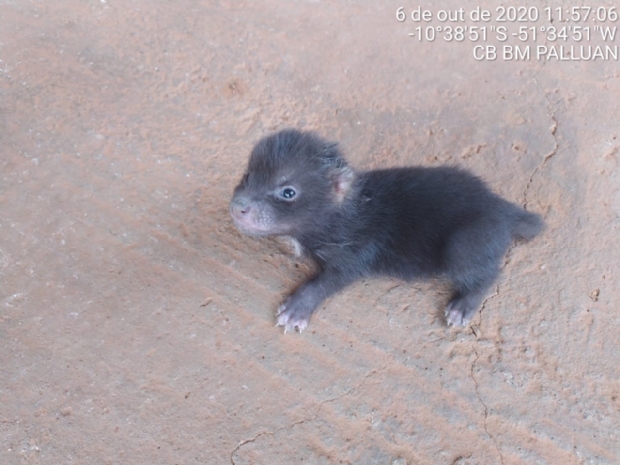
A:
[136,323]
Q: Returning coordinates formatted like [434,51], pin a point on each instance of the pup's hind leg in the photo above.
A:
[472,263]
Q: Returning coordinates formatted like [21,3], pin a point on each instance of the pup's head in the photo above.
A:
[293,179]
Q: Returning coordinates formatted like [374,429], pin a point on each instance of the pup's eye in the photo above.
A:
[288,193]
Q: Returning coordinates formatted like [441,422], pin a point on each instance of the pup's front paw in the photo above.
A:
[293,314]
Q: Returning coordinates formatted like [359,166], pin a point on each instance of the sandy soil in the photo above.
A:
[137,325]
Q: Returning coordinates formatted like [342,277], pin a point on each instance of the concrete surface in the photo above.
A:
[137,325]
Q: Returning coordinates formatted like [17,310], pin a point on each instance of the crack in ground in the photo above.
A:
[498,285]
[305,420]
[486,409]
[552,152]
[484,302]
[546,158]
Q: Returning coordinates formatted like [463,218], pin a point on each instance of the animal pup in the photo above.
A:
[407,223]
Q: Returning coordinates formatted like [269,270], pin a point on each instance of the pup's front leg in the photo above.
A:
[296,310]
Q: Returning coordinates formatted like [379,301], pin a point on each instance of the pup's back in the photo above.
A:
[412,215]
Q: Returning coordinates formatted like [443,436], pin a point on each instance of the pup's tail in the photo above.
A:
[527,225]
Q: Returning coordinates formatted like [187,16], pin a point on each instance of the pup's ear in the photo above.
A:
[341,175]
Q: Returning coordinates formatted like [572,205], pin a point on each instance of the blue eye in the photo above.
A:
[288,193]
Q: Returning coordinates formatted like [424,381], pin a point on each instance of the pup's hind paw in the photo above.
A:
[456,315]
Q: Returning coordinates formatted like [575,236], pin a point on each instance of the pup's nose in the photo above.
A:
[239,208]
